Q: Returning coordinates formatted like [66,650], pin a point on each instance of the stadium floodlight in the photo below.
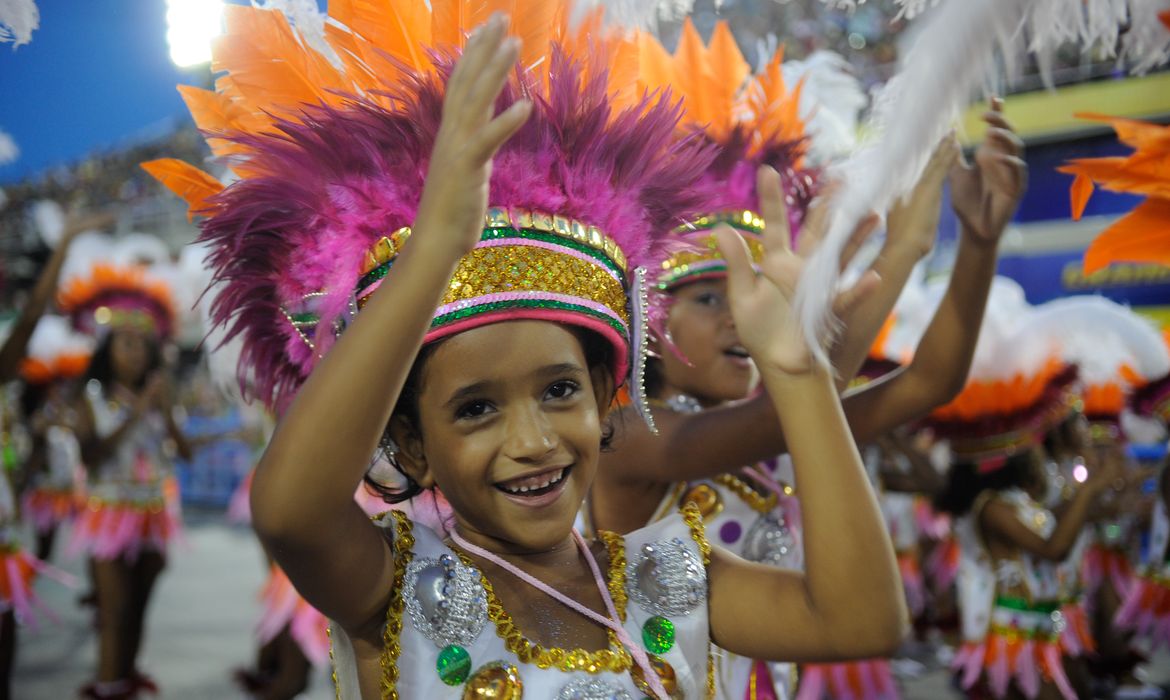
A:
[191,25]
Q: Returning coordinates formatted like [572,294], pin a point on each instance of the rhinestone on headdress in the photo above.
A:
[446,600]
[666,578]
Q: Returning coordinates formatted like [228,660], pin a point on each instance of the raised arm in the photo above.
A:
[302,494]
[985,197]
[721,439]
[1000,523]
[912,226]
[848,603]
[14,347]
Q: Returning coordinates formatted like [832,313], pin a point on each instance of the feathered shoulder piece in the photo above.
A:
[328,192]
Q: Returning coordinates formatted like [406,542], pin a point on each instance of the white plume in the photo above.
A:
[49,219]
[54,336]
[9,151]
[1100,336]
[953,53]
[18,19]
[636,14]
[830,103]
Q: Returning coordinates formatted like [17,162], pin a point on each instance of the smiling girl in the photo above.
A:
[491,338]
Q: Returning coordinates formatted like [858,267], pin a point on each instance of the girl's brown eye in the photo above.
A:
[473,409]
[562,390]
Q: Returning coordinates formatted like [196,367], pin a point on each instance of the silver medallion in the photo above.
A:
[770,541]
[445,599]
[592,689]
[666,578]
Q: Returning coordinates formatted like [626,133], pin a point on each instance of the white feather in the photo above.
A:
[635,14]
[952,55]
[9,151]
[54,336]
[18,19]
[49,219]
[830,103]
[1100,336]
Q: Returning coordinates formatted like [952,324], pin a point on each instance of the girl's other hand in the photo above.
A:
[913,221]
[985,195]
[455,196]
[761,304]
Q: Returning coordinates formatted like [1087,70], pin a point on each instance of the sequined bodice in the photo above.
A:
[455,637]
[136,470]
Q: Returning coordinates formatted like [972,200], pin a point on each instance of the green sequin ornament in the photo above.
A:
[454,665]
[658,635]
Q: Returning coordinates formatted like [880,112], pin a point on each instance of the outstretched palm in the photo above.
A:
[762,304]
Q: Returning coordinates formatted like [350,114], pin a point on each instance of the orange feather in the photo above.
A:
[1142,236]
[269,66]
[193,185]
[401,29]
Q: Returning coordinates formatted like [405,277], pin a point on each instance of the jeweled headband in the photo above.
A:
[113,296]
[702,260]
[531,265]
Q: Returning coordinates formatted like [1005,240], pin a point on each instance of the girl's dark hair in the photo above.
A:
[598,355]
[965,483]
[101,366]
[32,397]
[1060,436]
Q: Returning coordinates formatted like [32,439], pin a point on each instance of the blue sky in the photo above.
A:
[97,72]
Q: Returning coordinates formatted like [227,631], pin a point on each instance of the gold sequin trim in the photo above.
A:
[524,268]
[616,659]
[391,635]
[758,502]
[706,250]
[694,520]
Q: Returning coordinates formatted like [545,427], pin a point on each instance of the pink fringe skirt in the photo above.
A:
[912,583]
[47,508]
[856,680]
[284,607]
[1076,639]
[1145,610]
[1103,563]
[1022,646]
[943,564]
[18,570]
[107,530]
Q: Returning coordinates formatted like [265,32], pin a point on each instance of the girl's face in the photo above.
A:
[510,430]
[129,355]
[702,329]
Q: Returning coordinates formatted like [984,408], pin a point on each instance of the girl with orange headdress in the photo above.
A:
[54,474]
[128,432]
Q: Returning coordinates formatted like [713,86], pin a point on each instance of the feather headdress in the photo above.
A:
[1018,387]
[1116,351]
[1143,235]
[55,352]
[577,197]
[108,282]
[750,120]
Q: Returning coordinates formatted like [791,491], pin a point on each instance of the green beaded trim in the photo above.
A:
[477,309]
[1046,607]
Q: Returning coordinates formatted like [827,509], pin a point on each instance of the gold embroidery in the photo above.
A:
[391,635]
[757,502]
[694,520]
[616,659]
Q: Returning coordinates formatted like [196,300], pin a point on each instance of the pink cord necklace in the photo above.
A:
[612,622]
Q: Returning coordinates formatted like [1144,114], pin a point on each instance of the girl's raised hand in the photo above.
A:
[455,196]
[986,193]
[761,305]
